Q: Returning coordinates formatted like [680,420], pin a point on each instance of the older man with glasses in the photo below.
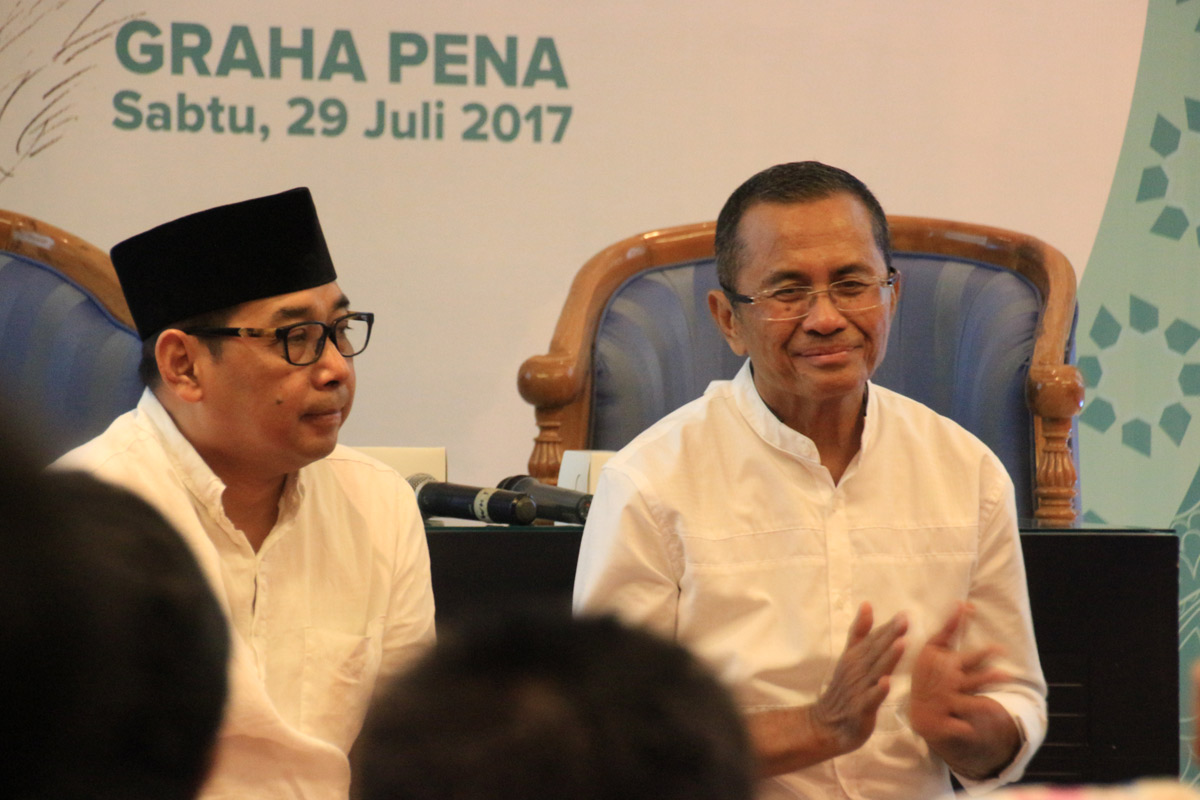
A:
[317,553]
[771,523]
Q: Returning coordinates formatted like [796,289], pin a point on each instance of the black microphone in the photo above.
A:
[436,499]
[553,502]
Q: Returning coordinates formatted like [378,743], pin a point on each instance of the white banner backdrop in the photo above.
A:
[529,135]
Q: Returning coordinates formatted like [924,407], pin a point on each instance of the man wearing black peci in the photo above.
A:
[317,553]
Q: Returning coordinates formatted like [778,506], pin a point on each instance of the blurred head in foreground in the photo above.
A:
[113,679]
[537,706]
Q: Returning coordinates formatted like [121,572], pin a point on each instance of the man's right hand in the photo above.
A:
[843,717]
[845,712]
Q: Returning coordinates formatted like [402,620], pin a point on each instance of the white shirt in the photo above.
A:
[338,595]
[719,526]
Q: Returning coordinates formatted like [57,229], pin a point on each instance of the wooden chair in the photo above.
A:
[68,351]
[983,334]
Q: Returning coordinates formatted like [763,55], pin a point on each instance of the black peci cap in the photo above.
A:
[221,258]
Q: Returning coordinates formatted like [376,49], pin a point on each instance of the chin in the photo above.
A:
[843,387]
[316,450]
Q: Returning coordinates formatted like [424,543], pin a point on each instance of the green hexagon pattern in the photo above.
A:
[1174,419]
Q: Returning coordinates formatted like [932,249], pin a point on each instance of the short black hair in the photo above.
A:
[113,681]
[795,182]
[547,706]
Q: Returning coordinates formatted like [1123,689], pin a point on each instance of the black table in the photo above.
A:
[1105,611]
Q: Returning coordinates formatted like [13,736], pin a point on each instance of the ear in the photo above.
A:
[895,295]
[727,321]
[176,354]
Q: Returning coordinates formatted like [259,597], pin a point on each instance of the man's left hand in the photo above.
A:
[973,734]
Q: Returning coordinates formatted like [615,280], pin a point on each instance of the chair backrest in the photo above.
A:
[68,351]
[983,335]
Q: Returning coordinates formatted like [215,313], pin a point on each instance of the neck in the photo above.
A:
[252,493]
[252,490]
[253,506]
[835,427]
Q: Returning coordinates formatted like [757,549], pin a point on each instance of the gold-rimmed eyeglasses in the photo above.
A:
[795,302]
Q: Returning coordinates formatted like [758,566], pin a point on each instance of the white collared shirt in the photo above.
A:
[719,526]
[338,596]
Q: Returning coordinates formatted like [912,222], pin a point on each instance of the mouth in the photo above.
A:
[325,417]
[827,354]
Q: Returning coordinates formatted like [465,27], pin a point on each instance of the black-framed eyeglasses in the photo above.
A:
[795,302]
[304,342]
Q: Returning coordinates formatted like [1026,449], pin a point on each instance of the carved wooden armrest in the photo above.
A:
[555,385]
[1055,394]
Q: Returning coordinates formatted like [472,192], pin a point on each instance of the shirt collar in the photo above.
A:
[197,476]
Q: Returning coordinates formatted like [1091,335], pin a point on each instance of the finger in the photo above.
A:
[945,636]
[977,659]
[873,698]
[891,630]
[886,664]
[899,623]
[964,620]
[863,663]
[877,642]
[953,726]
[973,682]
[971,709]
[861,627]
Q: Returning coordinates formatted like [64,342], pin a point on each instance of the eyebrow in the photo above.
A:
[798,276]
[300,313]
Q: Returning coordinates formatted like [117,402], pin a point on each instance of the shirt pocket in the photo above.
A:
[340,670]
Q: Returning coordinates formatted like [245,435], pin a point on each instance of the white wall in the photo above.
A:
[1010,114]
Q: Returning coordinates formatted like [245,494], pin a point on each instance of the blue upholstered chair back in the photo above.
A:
[65,361]
[961,342]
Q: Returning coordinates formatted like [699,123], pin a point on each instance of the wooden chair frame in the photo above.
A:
[558,383]
[83,263]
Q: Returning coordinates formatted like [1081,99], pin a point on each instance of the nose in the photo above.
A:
[823,316]
[332,368]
